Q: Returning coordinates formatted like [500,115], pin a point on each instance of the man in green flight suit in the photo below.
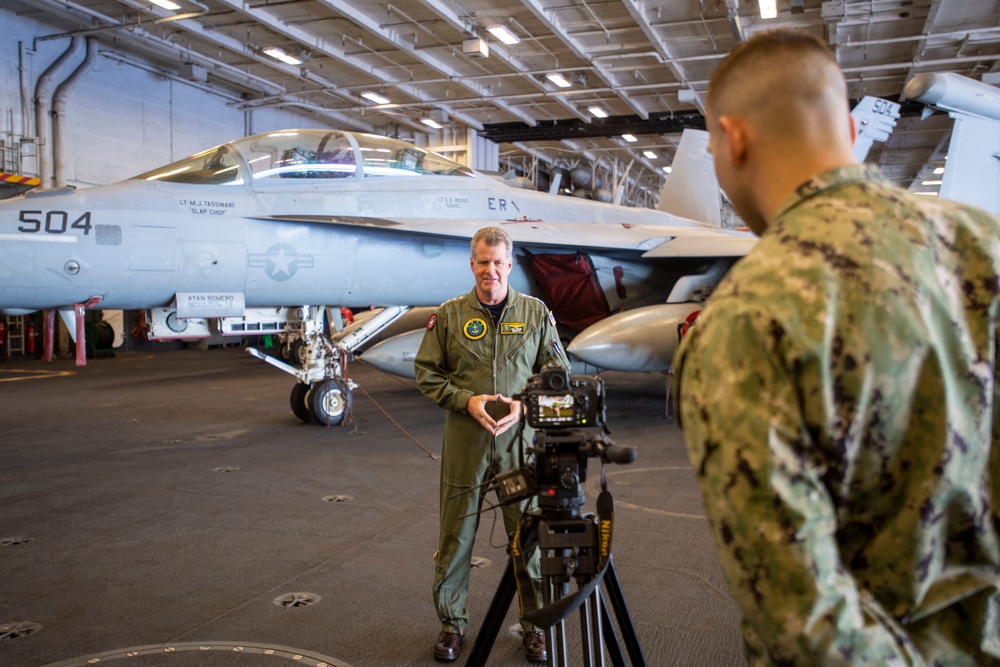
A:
[478,351]
[838,393]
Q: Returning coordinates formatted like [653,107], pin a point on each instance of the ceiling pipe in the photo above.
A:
[59,113]
[165,19]
[914,38]
[43,109]
[125,60]
[220,69]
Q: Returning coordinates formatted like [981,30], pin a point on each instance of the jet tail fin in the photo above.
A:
[875,119]
[692,190]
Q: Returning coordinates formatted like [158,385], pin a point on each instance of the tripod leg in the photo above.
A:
[587,643]
[592,639]
[620,607]
[556,635]
[611,639]
[494,618]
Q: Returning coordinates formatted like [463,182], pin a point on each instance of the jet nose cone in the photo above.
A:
[640,340]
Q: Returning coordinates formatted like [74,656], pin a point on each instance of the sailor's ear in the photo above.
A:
[735,132]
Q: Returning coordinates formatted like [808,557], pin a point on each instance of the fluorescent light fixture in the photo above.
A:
[278,54]
[597,112]
[931,182]
[375,97]
[927,194]
[650,154]
[629,138]
[430,122]
[939,171]
[558,79]
[768,9]
[166,4]
[504,35]
[668,169]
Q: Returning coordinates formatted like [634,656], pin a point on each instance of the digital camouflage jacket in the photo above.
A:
[838,395]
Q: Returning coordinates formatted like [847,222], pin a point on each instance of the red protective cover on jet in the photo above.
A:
[570,288]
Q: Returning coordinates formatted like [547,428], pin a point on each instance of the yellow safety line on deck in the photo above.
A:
[32,374]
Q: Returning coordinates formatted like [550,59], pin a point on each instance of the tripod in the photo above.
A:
[570,548]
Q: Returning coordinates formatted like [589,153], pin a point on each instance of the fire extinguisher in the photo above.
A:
[3,332]
[29,338]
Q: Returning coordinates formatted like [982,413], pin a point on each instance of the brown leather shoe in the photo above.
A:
[534,646]
[448,646]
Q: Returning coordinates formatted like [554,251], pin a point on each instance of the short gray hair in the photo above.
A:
[493,236]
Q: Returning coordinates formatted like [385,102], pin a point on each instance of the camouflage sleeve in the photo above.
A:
[773,519]
[433,375]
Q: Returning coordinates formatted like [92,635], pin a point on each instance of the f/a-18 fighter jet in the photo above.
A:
[269,232]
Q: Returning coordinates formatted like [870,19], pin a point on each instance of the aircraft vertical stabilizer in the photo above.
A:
[875,120]
[691,190]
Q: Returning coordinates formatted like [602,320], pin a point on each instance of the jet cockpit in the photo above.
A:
[305,154]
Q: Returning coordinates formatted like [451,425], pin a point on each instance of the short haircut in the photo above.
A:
[493,236]
[778,77]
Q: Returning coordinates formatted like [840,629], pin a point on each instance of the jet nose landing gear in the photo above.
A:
[324,393]
[325,402]
[329,401]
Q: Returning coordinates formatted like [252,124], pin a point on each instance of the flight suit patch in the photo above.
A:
[475,328]
[512,327]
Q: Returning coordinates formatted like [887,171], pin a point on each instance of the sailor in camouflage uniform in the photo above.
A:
[838,392]
[478,351]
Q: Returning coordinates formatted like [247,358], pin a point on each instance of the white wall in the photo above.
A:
[120,119]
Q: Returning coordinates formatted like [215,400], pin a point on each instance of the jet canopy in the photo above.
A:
[305,154]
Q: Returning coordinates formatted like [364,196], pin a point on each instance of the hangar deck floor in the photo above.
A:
[159,504]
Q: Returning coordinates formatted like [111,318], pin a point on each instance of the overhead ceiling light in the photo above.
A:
[668,169]
[650,154]
[629,138]
[768,9]
[939,171]
[558,79]
[931,182]
[597,112]
[166,4]
[430,122]
[375,97]
[927,194]
[278,54]
[504,35]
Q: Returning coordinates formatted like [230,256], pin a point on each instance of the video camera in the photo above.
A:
[559,406]
[554,399]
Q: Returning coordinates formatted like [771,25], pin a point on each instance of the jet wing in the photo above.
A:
[651,241]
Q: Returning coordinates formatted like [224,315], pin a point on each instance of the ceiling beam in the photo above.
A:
[638,11]
[517,65]
[580,51]
[660,123]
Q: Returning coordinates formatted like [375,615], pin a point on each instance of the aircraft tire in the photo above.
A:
[299,351]
[328,403]
[299,400]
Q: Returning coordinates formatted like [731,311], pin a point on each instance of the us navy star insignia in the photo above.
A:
[280,262]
